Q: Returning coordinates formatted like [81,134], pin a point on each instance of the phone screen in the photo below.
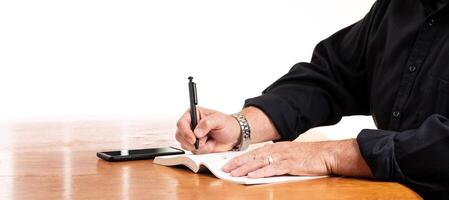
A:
[138,154]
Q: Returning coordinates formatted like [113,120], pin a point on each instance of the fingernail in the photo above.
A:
[234,173]
[224,168]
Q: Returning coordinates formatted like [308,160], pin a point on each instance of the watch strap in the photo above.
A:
[245,132]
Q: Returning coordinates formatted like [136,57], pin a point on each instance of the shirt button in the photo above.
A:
[396,114]
[431,22]
[412,68]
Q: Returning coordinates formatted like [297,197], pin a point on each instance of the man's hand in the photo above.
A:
[301,158]
[219,132]
[216,131]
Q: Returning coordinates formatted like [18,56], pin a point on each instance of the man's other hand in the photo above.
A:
[301,158]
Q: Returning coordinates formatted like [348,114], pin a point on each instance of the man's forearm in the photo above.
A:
[262,128]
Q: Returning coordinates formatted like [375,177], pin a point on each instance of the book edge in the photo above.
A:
[178,160]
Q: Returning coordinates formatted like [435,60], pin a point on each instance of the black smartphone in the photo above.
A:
[138,154]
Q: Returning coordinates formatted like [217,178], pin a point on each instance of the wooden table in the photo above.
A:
[56,160]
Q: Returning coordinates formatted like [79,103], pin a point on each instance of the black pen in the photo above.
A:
[193,103]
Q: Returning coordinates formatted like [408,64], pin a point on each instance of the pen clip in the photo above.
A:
[195,97]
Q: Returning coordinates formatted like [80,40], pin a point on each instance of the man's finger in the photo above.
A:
[184,128]
[246,157]
[207,124]
[208,147]
[250,167]
[184,136]
[201,144]
[238,161]
[184,144]
[274,169]
[203,112]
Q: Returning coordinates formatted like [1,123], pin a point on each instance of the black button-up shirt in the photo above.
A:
[394,65]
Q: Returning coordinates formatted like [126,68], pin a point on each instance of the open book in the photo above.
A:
[214,163]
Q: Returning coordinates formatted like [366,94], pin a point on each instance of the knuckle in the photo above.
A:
[234,163]
[179,123]
[262,161]
[180,138]
[177,136]
[183,132]
[230,166]
[243,169]
[207,123]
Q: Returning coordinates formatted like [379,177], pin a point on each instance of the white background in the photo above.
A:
[126,59]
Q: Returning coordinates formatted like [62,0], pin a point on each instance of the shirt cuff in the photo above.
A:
[377,148]
[284,118]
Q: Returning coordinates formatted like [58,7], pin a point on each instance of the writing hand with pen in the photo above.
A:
[202,130]
[213,131]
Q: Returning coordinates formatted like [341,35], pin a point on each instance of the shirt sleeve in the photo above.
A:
[417,158]
[332,85]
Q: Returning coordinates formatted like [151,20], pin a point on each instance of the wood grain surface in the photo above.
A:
[56,160]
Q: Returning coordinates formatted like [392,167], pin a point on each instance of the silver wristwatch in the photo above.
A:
[245,132]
